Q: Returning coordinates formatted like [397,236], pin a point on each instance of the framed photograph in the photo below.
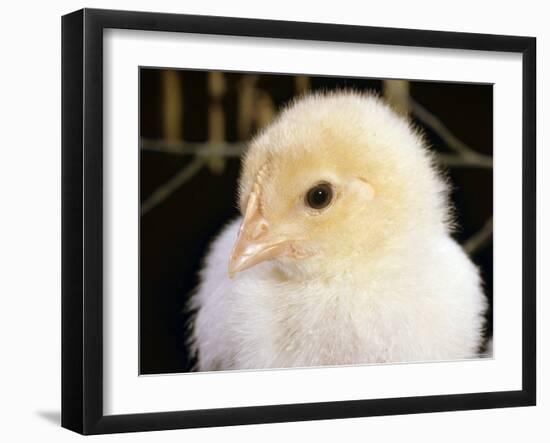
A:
[269,221]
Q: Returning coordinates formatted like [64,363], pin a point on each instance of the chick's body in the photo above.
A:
[371,276]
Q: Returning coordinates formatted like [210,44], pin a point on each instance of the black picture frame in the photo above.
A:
[82,220]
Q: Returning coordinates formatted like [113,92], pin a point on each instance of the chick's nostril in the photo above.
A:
[258,229]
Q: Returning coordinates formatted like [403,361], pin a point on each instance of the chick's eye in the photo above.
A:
[319,196]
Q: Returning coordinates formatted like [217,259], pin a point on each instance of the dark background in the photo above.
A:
[175,233]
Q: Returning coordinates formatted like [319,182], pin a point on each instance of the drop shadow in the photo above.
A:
[54,417]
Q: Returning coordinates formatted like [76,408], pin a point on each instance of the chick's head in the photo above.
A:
[335,181]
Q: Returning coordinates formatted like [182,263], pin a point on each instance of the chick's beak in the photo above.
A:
[256,241]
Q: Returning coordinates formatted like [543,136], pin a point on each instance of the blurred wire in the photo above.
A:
[480,239]
[466,155]
[199,149]
[164,191]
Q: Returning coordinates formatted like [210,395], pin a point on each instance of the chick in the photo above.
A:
[343,254]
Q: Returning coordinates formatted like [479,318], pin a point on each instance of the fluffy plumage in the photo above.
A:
[373,277]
